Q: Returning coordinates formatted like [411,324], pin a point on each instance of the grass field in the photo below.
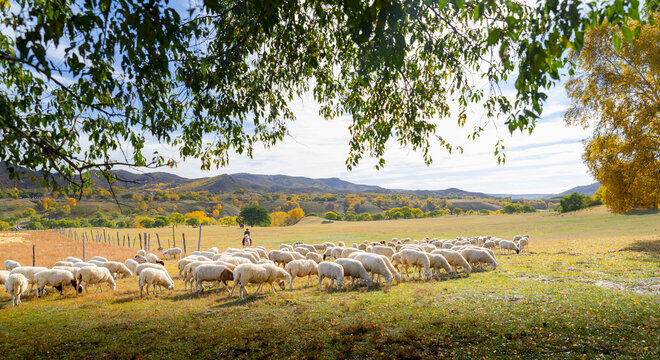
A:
[588,288]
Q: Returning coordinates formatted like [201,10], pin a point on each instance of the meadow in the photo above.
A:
[589,287]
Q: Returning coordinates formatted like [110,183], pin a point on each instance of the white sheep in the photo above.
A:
[11,264]
[258,274]
[524,242]
[214,250]
[416,259]
[188,274]
[381,250]
[455,259]
[92,275]
[83,264]
[131,265]
[281,257]
[173,253]
[141,259]
[56,278]
[118,270]
[301,250]
[478,257]
[16,285]
[96,262]
[488,244]
[156,278]
[73,259]
[262,252]
[341,244]
[438,262]
[181,264]
[234,260]
[348,251]
[99,258]
[391,268]
[332,271]
[286,246]
[141,252]
[375,264]
[4,274]
[301,268]
[506,245]
[212,272]
[29,272]
[355,270]
[63,263]
[314,256]
[153,258]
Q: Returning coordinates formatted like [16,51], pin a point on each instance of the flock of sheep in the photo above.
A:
[363,264]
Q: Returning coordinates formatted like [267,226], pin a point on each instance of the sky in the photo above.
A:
[547,161]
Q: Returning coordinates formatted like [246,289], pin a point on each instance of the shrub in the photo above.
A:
[330,215]
[255,215]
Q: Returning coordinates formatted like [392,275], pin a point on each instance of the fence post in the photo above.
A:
[199,241]
[33,256]
[83,248]
[117,238]
[173,237]
[183,235]
[105,239]
[148,242]
[158,239]
[140,236]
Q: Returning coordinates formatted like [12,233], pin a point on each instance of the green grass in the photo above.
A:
[553,302]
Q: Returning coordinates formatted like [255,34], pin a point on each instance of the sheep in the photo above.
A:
[214,250]
[263,254]
[141,259]
[141,252]
[348,251]
[226,264]
[506,245]
[131,265]
[153,258]
[362,247]
[258,274]
[251,258]
[517,237]
[489,244]
[235,260]
[188,274]
[355,245]
[375,264]
[16,285]
[286,246]
[4,274]
[382,250]
[212,272]
[94,276]
[310,248]
[479,257]
[280,257]
[355,270]
[328,244]
[71,269]
[428,247]
[522,243]
[206,254]
[11,264]
[172,253]
[96,262]
[181,264]
[99,258]
[301,268]
[418,260]
[332,271]
[302,251]
[63,263]
[341,244]
[141,268]
[118,269]
[319,247]
[81,265]
[56,278]
[391,268]
[455,259]
[29,272]
[155,278]
[265,261]
[72,259]
[314,256]
[438,262]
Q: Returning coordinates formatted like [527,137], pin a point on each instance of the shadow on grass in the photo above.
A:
[235,301]
[643,212]
[650,247]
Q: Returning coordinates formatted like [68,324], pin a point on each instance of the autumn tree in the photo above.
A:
[617,92]
[279,218]
[295,215]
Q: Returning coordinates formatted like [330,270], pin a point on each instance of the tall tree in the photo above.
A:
[87,83]
[255,215]
[617,91]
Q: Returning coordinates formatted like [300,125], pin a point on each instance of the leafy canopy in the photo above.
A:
[617,91]
[87,83]
[255,215]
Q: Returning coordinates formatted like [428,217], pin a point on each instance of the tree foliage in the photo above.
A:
[87,84]
[255,215]
[573,202]
[617,91]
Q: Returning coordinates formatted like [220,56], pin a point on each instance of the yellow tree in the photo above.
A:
[617,91]
[295,215]
[71,203]
[279,218]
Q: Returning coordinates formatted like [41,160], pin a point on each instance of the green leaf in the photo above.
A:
[627,33]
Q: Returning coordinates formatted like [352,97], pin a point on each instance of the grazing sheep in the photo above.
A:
[506,245]
[375,264]
[141,259]
[382,250]
[99,258]
[301,250]
[181,264]
[489,244]
[72,259]
[214,250]
[156,278]
[281,257]
[172,253]
[11,264]
[96,262]
[56,278]
[524,242]
[286,246]
[118,270]
[301,268]
[188,274]
[206,254]
[416,259]
[314,256]
[234,260]
[348,251]
[153,258]
[332,271]
[310,248]
[212,272]
[258,274]
[478,257]
[131,265]
[71,269]
[328,244]
[142,253]
[319,247]
[63,263]
[4,274]
[16,285]
[266,261]
[250,257]
[428,247]
[391,268]
[362,247]
[455,259]
[93,275]
[355,270]
[83,264]
[438,262]
[517,237]
[341,244]
[29,272]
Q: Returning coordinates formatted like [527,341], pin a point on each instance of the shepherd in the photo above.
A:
[247,241]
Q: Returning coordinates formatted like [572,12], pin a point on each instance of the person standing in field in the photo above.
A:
[247,240]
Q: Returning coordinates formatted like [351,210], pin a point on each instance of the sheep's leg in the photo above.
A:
[87,288]
[321,282]
[273,288]
[234,287]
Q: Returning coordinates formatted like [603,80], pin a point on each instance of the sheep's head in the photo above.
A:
[282,284]
[517,251]
[74,283]
[113,285]
[159,261]
[427,274]
[368,282]
[170,286]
